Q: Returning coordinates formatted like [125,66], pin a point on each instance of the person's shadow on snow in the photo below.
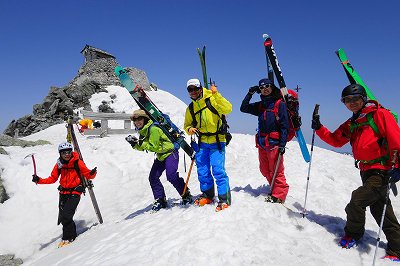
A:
[332,224]
[81,227]
[139,212]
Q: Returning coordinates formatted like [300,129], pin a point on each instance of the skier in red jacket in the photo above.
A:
[70,188]
[373,134]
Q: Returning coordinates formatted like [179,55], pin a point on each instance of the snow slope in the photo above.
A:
[250,232]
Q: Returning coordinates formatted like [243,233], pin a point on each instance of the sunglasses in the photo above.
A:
[351,99]
[265,86]
[134,119]
[192,89]
[66,152]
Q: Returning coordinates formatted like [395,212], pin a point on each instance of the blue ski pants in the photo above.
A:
[210,159]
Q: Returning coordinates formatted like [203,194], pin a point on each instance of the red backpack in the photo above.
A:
[292,103]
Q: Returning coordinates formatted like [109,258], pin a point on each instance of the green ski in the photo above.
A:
[354,78]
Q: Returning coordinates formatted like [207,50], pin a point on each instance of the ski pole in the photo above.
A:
[275,171]
[33,160]
[187,178]
[316,108]
[384,209]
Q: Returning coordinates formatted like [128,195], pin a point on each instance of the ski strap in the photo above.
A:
[221,130]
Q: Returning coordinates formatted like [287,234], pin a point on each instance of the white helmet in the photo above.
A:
[64,146]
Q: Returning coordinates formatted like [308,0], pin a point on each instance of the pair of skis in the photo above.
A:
[273,67]
[354,78]
[87,184]
[163,121]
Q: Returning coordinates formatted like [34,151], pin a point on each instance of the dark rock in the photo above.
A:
[10,260]
[93,76]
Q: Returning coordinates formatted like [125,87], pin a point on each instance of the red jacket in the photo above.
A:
[69,176]
[364,142]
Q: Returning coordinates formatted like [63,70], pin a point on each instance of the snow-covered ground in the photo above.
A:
[250,232]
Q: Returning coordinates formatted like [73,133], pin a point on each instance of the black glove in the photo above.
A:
[35,178]
[93,171]
[281,150]
[254,89]
[131,140]
[394,175]
[316,123]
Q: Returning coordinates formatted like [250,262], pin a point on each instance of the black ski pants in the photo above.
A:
[373,193]
[67,207]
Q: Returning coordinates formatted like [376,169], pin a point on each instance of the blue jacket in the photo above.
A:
[267,122]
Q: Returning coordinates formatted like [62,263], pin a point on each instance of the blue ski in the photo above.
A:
[273,60]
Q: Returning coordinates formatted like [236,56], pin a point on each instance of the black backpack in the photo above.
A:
[223,129]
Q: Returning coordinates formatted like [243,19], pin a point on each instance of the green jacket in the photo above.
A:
[153,139]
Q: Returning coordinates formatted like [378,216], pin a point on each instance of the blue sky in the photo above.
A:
[41,41]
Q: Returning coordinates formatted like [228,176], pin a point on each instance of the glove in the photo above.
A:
[254,89]
[131,140]
[176,146]
[93,171]
[394,175]
[35,178]
[316,123]
[192,130]
[281,150]
[213,88]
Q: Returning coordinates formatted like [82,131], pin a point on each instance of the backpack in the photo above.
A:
[223,129]
[292,104]
[381,141]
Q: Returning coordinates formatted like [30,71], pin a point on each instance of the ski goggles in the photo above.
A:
[351,99]
[66,152]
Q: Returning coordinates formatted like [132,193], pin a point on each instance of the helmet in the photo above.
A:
[264,81]
[354,89]
[64,146]
[193,82]
[139,113]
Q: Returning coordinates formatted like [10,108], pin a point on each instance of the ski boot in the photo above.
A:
[272,199]
[159,204]
[187,198]
[205,198]
[202,200]
[64,243]
[221,206]
[347,242]
[224,202]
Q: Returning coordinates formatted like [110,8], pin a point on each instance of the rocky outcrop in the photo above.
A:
[10,260]
[7,141]
[93,76]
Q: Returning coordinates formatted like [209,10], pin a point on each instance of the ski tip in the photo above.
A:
[118,70]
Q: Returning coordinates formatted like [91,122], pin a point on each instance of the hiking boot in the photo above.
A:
[202,200]
[347,242]
[64,243]
[273,199]
[187,198]
[159,204]
[221,206]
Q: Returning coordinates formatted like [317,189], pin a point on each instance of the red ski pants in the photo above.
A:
[268,160]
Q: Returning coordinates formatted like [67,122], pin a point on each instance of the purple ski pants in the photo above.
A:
[170,165]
